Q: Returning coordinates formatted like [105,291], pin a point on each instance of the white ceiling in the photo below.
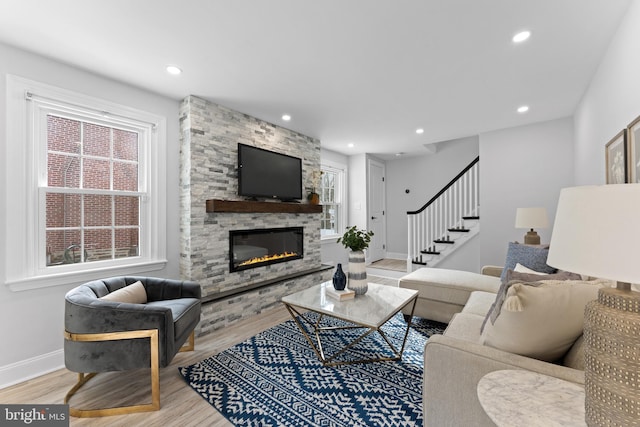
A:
[367,72]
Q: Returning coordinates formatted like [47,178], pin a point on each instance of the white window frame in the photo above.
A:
[340,196]
[28,103]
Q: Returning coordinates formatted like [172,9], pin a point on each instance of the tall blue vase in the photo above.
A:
[339,278]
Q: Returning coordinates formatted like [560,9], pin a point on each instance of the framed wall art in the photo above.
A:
[616,158]
[633,151]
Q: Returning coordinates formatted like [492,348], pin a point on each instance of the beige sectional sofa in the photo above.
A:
[455,361]
[443,293]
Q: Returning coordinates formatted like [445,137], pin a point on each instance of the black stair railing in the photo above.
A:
[446,187]
[430,227]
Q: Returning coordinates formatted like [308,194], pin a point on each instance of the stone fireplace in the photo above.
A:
[265,246]
[210,135]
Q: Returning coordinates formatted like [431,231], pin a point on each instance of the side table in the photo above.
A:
[527,399]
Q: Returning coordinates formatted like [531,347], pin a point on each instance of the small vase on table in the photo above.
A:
[339,279]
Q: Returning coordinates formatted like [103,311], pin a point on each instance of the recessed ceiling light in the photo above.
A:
[523,109]
[172,69]
[286,117]
[351,145]
[521,36]
[420,131]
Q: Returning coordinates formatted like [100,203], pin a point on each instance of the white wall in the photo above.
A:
[611,102]
[466,258]
[524,166]
[31,322]
[423,176]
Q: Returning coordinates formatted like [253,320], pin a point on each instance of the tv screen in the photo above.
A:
[264,173]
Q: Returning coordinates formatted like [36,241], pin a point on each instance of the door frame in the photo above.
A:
[382,166]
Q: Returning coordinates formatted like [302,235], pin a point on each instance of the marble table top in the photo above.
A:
[372,309]
[523,398]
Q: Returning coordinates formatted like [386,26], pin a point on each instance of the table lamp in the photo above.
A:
[531,218]
[596,233]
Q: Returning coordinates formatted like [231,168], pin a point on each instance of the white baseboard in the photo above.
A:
[31,368]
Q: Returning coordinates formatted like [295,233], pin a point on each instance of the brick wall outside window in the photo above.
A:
[83,155]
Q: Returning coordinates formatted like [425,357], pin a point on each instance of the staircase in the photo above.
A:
[445,222]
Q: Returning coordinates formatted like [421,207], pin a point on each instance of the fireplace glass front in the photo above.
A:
[260,247]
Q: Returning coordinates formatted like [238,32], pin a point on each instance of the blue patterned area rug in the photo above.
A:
[276,379]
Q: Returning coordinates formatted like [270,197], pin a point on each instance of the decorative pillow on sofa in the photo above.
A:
[533,257]
[494,311]
[542,319]
[519,268]
[135,293]
[532,277]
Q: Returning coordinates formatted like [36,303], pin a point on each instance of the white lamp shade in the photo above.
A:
[531,218]
[596,232]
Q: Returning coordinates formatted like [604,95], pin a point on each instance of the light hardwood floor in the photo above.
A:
[181,406]
[390,264]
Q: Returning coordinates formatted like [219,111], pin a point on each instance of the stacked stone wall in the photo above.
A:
[210,135]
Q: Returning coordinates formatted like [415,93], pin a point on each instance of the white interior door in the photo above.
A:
[376,210]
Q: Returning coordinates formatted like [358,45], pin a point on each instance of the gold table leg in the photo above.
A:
[299,317]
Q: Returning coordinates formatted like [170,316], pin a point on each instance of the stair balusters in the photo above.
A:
[434,229]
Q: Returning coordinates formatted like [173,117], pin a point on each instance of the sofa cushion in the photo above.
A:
[532,257]
[479,303]
[132,294]
[545,322]
[465,326]
[575,356]
[452,286]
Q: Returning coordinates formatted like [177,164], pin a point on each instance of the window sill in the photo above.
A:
[328,238]
[65,278]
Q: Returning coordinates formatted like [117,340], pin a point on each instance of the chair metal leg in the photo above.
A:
[191,343]
[152,334]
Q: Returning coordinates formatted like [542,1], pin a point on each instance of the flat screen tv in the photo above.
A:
[267,174]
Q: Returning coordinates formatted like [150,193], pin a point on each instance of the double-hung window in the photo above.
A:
[332,185]
[90,186]
[92,191]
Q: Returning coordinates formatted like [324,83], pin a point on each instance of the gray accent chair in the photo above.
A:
[105,336]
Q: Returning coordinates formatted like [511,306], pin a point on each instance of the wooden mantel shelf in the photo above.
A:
[247,206]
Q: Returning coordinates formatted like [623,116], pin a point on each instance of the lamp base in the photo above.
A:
[531,238]
[612,368]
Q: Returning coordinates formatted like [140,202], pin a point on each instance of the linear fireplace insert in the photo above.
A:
[260,247]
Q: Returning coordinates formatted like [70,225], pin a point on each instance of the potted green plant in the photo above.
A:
[357,241]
